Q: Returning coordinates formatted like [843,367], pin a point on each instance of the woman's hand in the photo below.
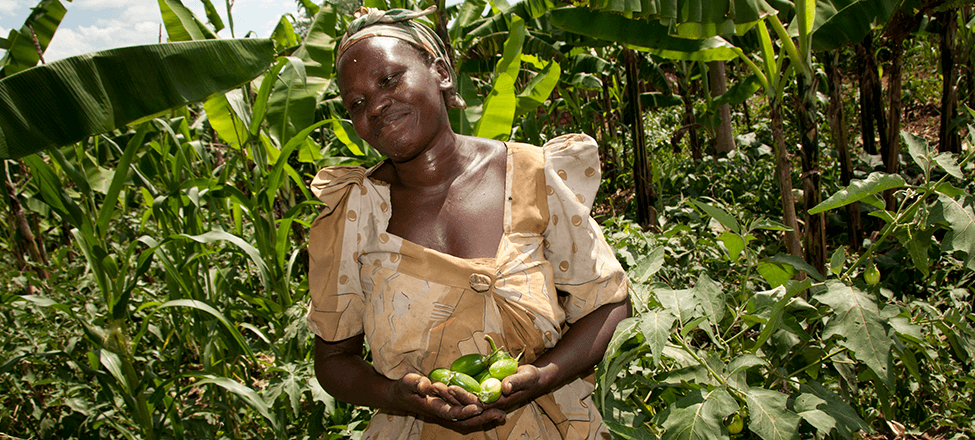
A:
[580,348]
[522,387]
[449,406]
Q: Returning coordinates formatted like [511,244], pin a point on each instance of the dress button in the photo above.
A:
[480,282]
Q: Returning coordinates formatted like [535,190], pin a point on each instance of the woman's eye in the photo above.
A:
[354,105]
[389,80]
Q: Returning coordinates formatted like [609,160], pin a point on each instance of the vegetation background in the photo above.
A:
[788,183]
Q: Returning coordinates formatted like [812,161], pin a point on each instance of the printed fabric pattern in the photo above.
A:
[420,309]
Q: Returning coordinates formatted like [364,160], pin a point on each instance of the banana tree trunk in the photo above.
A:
[815,232]
[871,108]
[950,139]
[646,197]
[689,122]
[783,174]
[25,241]
[896,32]
[724,140]
[838,132]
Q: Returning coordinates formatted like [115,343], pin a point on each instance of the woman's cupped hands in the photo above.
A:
[456,408]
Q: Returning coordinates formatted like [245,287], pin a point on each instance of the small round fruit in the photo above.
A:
[735,424]
[490,390]
[441,375]
[871,275]
[503,368]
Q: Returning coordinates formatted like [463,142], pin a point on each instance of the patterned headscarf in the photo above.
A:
[398,23]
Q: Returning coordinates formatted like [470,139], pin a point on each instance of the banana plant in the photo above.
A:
[25,48]
[66,101]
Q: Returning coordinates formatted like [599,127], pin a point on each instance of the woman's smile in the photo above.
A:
[394,96]
[389,121]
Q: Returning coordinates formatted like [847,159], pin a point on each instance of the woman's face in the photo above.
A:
[393,96]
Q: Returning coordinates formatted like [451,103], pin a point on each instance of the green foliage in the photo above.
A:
[111,88]
[725,328]
[175,245]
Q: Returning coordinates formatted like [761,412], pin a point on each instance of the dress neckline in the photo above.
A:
[505,216]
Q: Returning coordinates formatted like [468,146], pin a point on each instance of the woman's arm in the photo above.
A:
[580,349]
[344,374]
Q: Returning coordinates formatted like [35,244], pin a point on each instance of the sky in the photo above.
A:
[92,25]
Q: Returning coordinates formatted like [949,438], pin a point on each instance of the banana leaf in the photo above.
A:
[181,24]
[21,52]
[65,101]
[841,23]
[296,94]
[643,35]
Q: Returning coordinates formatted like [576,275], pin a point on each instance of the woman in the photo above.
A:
[449,239]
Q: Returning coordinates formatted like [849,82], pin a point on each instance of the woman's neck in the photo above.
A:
[436,167]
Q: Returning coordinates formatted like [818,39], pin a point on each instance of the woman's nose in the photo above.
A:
[378,105]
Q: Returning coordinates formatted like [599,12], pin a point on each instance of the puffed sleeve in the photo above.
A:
[337,300]
[585,266]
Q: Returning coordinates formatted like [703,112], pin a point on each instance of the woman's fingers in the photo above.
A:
[463,396]
[525,378]
[443,391]
[487,419]
[451,406]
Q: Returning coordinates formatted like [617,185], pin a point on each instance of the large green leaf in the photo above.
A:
[297,91]
[53,193]
[959,215]
[698,415]
[65,101]
[679,302]
[858,322]
[228,123]
[247,394]
[540,87]
[768,416]
[181,24]
[711,298]
[847,421]
[656,326]
[648,265]
[724,217]
[841,23]
[501,102]
[647,36]
[739,92]
[875,183]
[21,52]
[470,11]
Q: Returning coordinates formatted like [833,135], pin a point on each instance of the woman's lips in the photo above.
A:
[388,121]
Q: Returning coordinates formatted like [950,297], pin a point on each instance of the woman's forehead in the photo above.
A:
[372,47]
[375,53]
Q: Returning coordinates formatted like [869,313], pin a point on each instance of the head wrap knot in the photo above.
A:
[398,23]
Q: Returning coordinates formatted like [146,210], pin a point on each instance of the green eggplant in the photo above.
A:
[490,390]
[503,368]
[466,382]
[470,364]
[441,375]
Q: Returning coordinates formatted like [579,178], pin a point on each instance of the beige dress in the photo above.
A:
[420,309]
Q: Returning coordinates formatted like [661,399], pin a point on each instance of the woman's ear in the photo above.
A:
[444,79]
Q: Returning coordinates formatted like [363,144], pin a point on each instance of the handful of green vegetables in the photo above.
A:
[478,374]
